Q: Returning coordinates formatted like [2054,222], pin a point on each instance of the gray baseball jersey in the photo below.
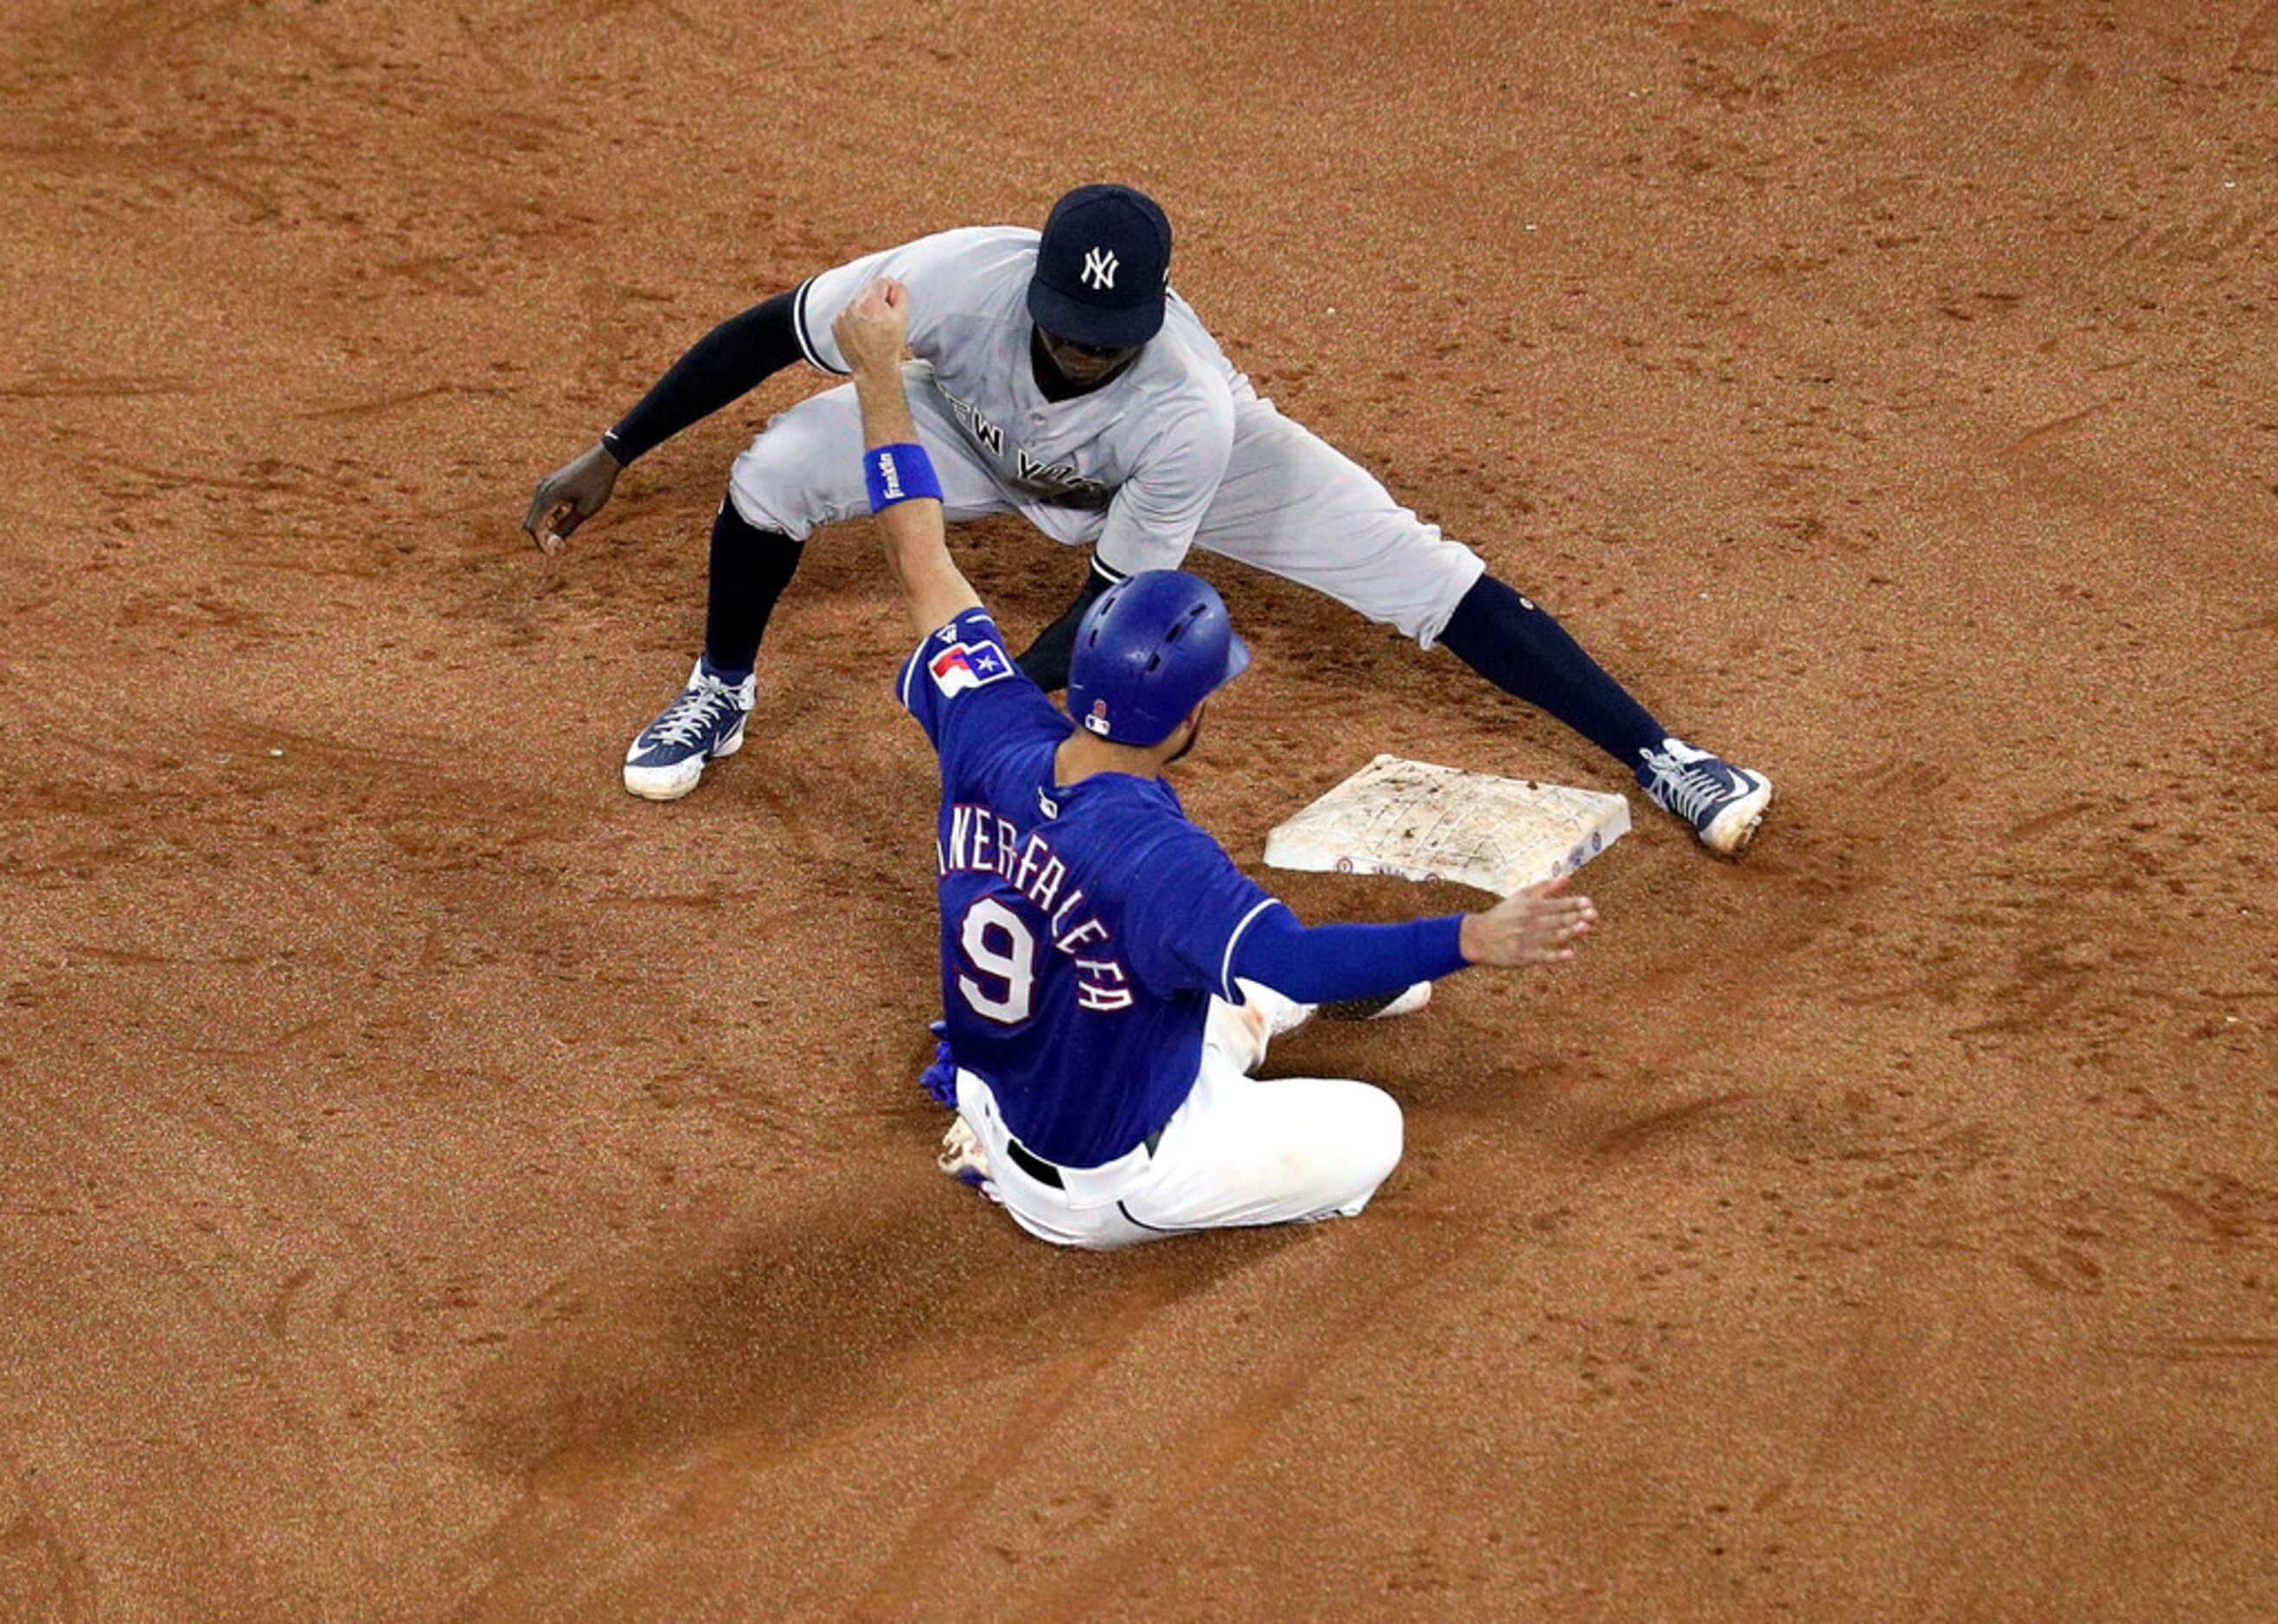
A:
[1149,449]
[1178,451]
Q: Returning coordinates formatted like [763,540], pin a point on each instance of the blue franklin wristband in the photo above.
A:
[899,473]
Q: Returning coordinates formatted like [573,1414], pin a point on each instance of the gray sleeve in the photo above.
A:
[932,268]
[1152,519]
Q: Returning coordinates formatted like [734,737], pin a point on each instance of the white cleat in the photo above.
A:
[703,724]
[1392,1008]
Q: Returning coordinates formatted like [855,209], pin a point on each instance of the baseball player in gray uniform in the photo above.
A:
[1059,376]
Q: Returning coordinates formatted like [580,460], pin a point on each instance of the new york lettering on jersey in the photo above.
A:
[1051,479]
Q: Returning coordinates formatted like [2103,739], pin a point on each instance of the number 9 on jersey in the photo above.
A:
[1002,950]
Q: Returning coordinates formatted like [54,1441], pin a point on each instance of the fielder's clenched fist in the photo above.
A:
[873,330]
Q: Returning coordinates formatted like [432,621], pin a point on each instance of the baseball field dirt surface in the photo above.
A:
[438,1184]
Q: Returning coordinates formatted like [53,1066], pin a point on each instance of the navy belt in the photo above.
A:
[1044,1172]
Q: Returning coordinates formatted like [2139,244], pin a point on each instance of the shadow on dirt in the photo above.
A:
[788,1325]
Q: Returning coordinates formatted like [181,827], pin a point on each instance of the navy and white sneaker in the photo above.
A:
[707,722]
[1723,802]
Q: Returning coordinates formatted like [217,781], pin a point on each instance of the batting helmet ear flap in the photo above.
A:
[1152,649]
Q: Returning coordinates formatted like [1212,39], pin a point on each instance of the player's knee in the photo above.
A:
[774,487]
[1239,1032]
[733,530]
[1458,585]
[1379,1137]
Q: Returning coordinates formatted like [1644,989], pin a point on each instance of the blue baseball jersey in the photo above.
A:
[1083,929]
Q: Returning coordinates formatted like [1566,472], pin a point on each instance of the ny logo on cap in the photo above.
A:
[1098,268]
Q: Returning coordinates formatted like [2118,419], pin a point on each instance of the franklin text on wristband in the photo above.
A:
[899,473]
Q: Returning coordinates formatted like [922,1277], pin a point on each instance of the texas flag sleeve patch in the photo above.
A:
[966,664]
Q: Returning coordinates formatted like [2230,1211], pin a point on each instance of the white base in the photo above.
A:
[1418,821]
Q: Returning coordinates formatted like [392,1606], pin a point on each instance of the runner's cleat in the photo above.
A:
[1284,1016]
[1723,802]
[1391,1006]
[704,723]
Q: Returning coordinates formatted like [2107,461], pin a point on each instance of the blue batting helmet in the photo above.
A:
[1149,651]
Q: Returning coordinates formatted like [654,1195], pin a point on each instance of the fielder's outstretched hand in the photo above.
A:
[873,330]
[570,495]
[1538,925]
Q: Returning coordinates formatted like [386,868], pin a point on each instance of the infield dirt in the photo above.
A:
[436,1182]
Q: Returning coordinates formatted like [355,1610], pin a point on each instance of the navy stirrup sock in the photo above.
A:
[1518,647]
[750,568]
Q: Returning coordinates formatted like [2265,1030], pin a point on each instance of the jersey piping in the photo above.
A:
[1225,966]
[798,330]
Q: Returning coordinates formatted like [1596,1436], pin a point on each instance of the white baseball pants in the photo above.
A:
[1239,1153]
[1289,504]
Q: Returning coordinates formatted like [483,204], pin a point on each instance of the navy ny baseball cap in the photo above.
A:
[1103,268]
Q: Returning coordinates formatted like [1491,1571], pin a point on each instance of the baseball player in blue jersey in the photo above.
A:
[1109,977]
[1061,377]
